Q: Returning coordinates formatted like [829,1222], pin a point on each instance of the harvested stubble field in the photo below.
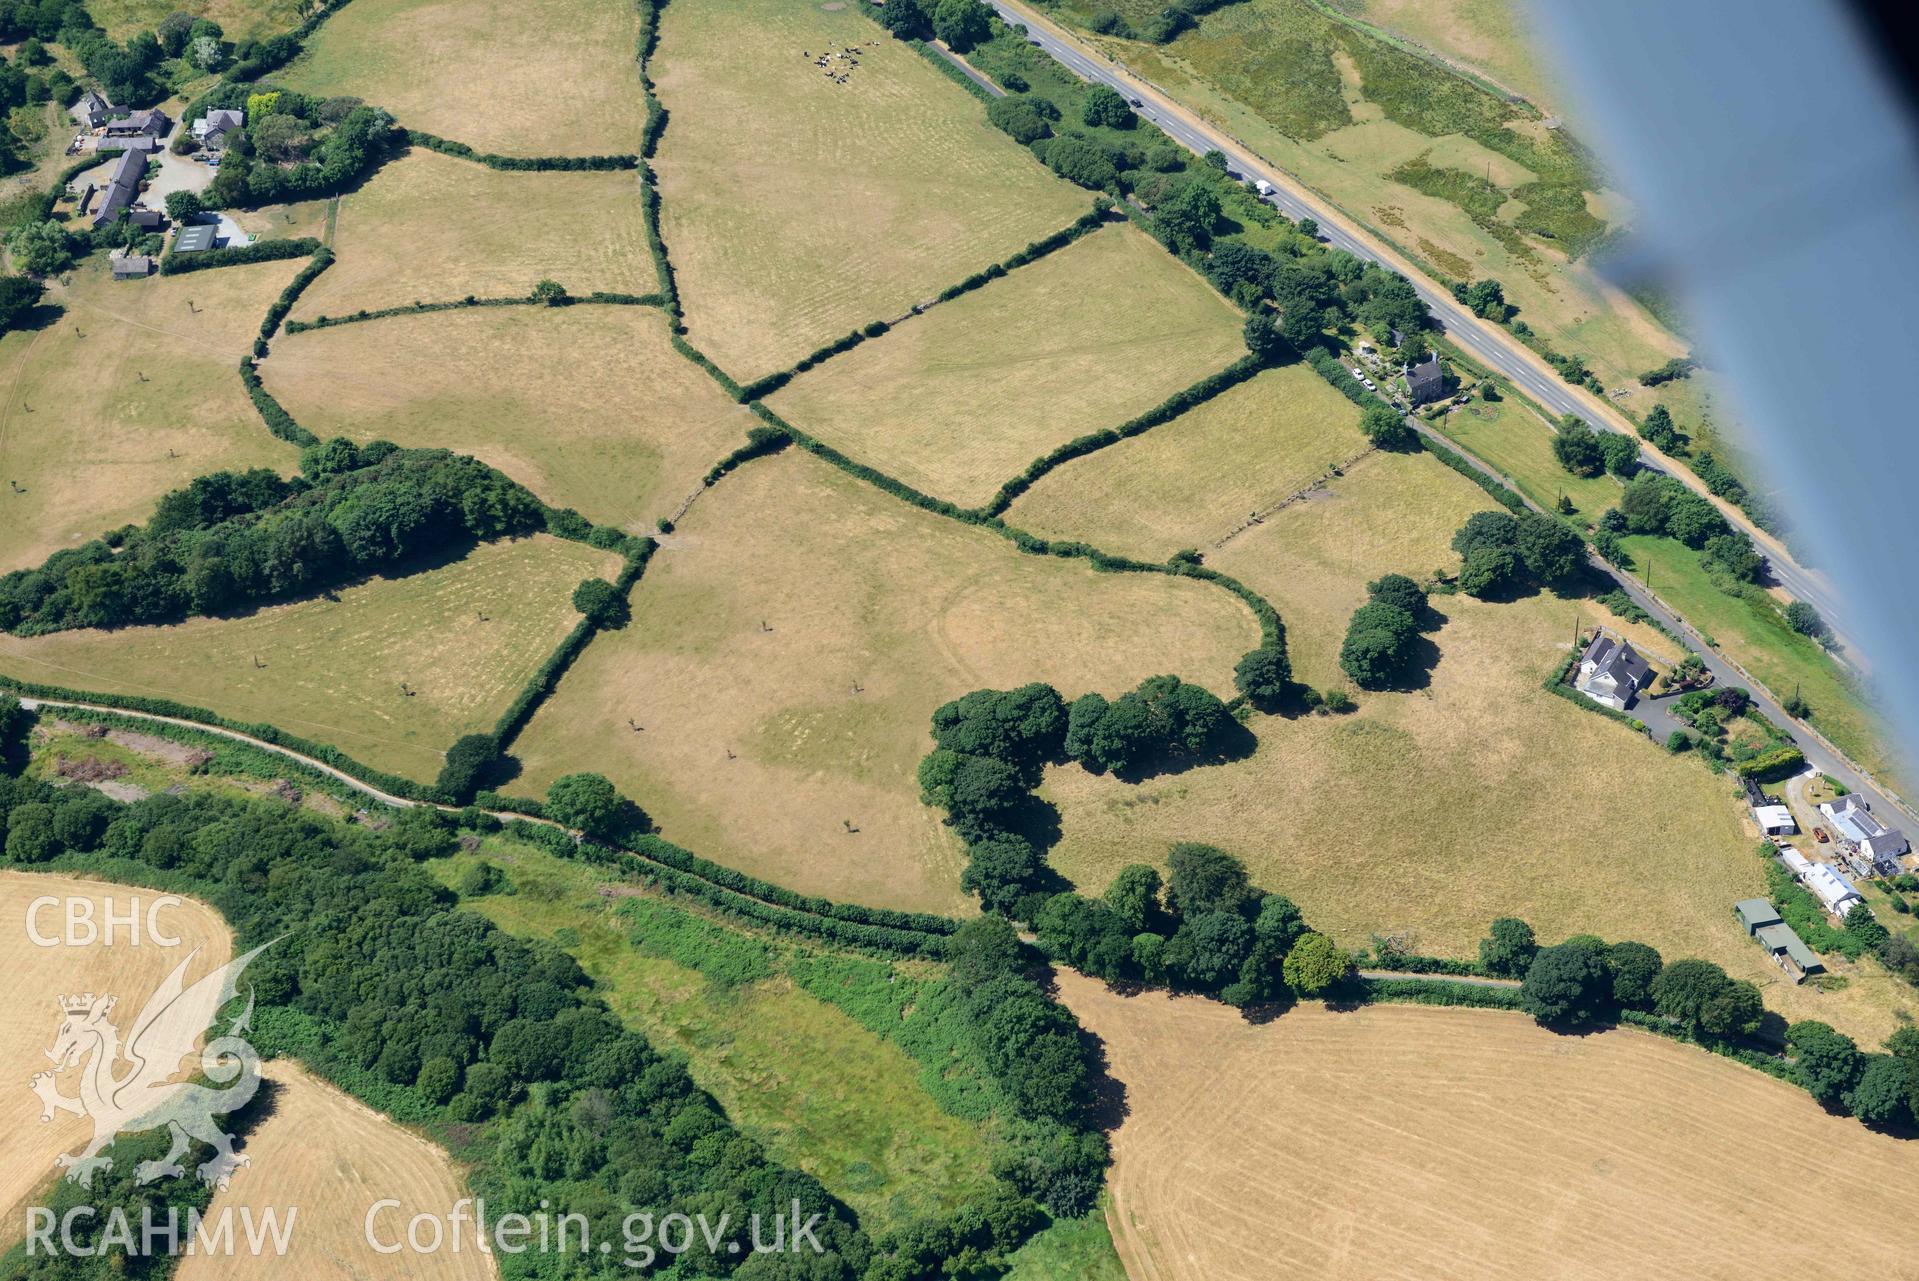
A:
[431,228]
[797,208]
[774,626]
[792,1071]
[1189,482]
[959,400]
[531,78]
[1472,1144]
[463,637]
[130,393]
[33,977]
[1427,814]
[334,1157]
[586,406]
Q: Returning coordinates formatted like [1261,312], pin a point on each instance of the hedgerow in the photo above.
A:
[598,296]
[272,412]
[538,164]
[270,323]
[175,264]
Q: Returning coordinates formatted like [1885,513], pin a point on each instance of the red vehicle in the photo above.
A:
[1819,834]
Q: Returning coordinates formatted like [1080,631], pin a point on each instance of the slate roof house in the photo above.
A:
[1426,381]
[1612,672]
[152,123]
[1857,824]
[91,111]
[123,185]
[213,128]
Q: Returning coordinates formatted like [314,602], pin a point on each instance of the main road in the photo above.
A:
[1492,346]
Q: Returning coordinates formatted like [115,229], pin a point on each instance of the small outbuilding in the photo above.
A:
[132,267]
[1775,820]
[1755,914]
[1788,951]
[91,110]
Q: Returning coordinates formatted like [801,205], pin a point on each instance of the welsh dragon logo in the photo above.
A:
[143,1095]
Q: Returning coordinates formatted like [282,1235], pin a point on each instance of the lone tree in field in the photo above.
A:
[1508,947]
[601,603]
[552,293]
[585,801]
[468,762]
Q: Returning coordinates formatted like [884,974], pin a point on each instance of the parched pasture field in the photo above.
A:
[959,400]
[1190,482]
[33,977]
[239,19]
[430,228]
[532,78]
[587,406]
[130,393]
[334,1157]
[808,624]
[1427,814]
[1391,513]
[796,208]
[796,1073]
[334,670]
[1497,39]
[1403,1142]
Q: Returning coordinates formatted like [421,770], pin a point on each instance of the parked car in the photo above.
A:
[1819,834]
[1370,384]
[1357,374]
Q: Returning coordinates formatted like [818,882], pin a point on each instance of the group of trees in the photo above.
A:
[1585,452]
[960,24]
[230,540]
[1485,298]
[1656,504]
[295,146]
[1382,640]
[1662,433]
[1176,17]
[1502,552]
[991,747]
[1206,929]
[1314,288]
[1879,1089]
[377,982]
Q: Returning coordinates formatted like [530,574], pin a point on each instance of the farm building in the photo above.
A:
[132,267]
[195,239]
[1755,914]
[1832,889]
[1612,672]
[1426,381]
[91,110]
[151,123]
[123,186]
[1855,823]
[1788,951]
[1775,820]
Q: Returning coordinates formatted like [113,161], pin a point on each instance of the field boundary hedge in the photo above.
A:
[1173,406]
[271,55]
[272,412]
[518,164]
[599,297]
[270,323]
[175,263]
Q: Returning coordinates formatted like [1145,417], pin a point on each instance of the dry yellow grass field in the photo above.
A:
[429,228]
[239,19]
[132,392]
[586,406]
[532,78]
[464,637]
[1497,39]
[32,977]
[960,400]
[1430,813]
[333,1157]
[1392,513]
[1190,482]
[878,613]
[1408,1142]
[797,208]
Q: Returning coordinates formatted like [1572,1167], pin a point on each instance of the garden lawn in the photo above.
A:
[961,399]
[1427,814]
[587,406]
[823,1094]
[796,208]
[462,637]
[131,392]
[1191,481]
[527,78]
[429,228]
[771,700]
